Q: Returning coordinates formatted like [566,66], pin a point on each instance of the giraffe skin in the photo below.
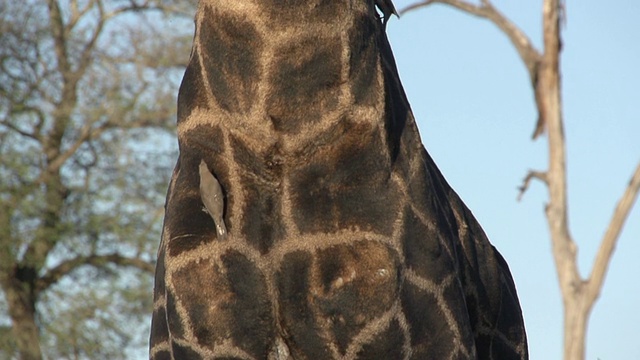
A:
[344,241]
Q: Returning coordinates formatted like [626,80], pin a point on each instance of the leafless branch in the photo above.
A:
[530,56]
[59,35]
[89,48]
[539,175]
[13,127]
[77,14]
[87,133]
[603,257]
[144,5]
[54,275]
[578,294]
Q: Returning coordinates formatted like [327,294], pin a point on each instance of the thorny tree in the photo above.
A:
[579,294]
[87,92]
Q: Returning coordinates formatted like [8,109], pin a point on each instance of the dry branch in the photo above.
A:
[66,267]
[578,294]
[539,175]
[620,214]
[530,56]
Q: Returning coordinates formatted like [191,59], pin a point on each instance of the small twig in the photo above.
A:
[415,6]
[540,175]
[461,5]
[54,275]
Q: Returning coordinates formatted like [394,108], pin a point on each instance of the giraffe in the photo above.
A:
[342,239]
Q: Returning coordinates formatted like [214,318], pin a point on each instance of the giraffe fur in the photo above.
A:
[343,239]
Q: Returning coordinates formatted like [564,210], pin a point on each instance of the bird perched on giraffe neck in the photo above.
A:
[387,9]
[212,198]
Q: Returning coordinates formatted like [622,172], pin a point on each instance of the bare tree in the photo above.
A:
[579,294]
[87,111]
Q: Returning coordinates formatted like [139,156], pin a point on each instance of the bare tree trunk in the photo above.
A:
[25,332]
[576,317]
[579,295]
[577,302]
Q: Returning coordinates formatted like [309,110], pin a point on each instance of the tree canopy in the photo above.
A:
[87,116]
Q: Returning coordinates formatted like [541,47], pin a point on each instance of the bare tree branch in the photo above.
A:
[550,104]
[530,56]
[540,175]
[578,294]
[528,53]
[59,35]
[89,47]
[15,128]
[603,257]
[77,14]
[54,275]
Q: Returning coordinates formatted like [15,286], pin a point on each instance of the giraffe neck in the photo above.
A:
[343,239]
[284,72]
[273,99]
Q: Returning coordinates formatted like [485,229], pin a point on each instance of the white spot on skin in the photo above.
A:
[282,350]
[352,275]
[341,281]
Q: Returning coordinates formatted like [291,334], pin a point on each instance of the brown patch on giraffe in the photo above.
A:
[327,298]
[283,13]
[305,79]
[159,288]
[193,92]
[423,250]
[262,165]
[190,227]
[452,297]
[262,220]
[346,185]
[396,107]
[435,209]
[159,326]
[233,68]
[354,284]
[226,299]
[505,340]
[363,61]
[293,282]
[260,176]
[386,345]
[175,323]
[162,355]
[430,333]
[184,352]
[408,167]
[208,141]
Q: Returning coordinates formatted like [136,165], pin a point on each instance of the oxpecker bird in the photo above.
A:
[212,198]
[387,9]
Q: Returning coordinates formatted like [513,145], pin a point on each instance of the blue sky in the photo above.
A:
[472,99]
